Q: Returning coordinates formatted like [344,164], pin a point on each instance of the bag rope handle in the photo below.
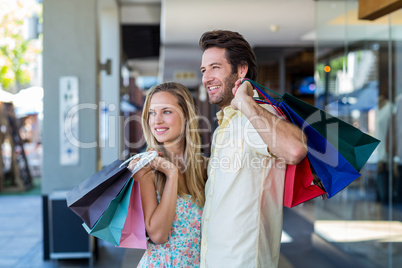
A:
[274,103]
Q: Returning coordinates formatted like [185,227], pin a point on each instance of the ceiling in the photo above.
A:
[275,28]
[264,23]
[186,20]
[183,21]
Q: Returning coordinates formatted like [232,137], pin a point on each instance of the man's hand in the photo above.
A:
[242,92]
[283,140]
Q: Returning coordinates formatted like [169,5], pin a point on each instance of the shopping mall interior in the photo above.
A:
[343,57]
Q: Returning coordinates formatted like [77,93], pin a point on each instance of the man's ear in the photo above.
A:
[242,70]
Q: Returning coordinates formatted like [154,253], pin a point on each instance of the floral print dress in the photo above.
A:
[183,246]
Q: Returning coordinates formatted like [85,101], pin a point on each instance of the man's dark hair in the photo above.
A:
[238,50]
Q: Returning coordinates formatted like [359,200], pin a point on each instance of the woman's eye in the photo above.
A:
[167,112]
[151,113]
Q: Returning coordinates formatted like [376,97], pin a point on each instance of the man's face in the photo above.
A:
[217,76]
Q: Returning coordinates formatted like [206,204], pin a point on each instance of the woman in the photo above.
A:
[172,186]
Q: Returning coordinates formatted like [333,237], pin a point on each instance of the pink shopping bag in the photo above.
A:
[133,233]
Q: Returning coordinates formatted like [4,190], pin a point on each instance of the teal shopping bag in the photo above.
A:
[111,223]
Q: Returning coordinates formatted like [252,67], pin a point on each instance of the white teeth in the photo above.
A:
[212,88]
[160,129]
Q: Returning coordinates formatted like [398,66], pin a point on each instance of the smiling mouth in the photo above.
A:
[160,131]
[214,88]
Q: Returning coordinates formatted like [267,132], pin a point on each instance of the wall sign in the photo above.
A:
[69,150]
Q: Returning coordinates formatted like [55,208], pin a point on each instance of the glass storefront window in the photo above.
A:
[357,73]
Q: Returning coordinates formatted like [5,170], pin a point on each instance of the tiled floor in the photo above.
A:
[355,210]
[20,231]
[21,241]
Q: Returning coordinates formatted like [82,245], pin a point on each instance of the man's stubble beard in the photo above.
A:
[226,96]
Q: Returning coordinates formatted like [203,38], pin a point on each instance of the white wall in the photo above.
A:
[109,48]
[69,49]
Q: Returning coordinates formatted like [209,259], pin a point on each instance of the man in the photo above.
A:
[242,217]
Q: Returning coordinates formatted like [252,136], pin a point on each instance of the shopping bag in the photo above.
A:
[353,144]
[90,199]
[330,165]
[110,224]
[299,186]
[123,223]
[133,233]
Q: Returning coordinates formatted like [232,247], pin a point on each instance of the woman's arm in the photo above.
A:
[158,217]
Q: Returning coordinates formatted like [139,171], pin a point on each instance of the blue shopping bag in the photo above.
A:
[328,164]
[338,166]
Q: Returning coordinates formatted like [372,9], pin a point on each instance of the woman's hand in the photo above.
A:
[159,163]
[159,216]
[132,164]
[142,173]
[165,166]
[147,168]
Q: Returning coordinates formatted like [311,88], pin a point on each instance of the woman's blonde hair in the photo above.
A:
[193,160]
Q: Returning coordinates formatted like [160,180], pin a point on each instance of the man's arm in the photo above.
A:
[283,139]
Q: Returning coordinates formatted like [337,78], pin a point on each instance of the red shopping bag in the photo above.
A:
[299,185]
[133,233]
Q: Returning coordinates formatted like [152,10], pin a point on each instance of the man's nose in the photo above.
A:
[206,77]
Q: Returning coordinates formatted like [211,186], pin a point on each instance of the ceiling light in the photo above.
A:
[274,28]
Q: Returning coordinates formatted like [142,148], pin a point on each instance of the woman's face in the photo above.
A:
[166,119]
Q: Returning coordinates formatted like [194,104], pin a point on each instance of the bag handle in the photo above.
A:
[270,100]
[145,158]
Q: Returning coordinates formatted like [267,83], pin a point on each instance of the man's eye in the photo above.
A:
[167,112]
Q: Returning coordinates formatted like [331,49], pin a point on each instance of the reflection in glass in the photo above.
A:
[357,75]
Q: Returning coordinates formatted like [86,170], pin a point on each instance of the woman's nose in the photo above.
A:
[158,118]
